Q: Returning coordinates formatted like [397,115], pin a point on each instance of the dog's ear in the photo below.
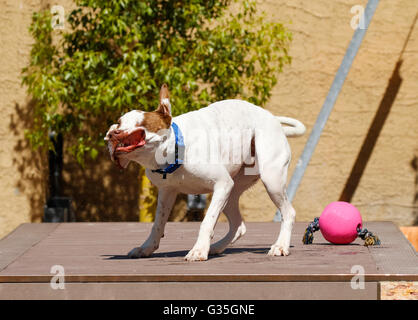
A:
[164,107]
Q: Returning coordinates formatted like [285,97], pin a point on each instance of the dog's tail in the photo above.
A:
[295,128]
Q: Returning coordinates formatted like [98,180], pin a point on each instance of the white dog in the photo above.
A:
[223,148]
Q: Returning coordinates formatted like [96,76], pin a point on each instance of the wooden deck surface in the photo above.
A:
[96,253]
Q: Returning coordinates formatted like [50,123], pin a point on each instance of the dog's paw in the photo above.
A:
[197,255]
[139,252]
[277,250]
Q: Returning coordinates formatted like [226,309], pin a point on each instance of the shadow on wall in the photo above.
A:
[31,165]
[100,191]
[373,134]
[376,126]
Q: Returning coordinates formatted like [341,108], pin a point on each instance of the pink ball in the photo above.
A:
[339,221]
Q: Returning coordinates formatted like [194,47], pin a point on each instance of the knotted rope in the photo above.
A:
[369,238]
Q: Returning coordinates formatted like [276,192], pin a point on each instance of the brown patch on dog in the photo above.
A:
[155,121]
[160,118]
[164,107]
[164,93]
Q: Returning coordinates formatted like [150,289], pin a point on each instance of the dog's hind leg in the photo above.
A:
[281,246]
[273,154]
[275,183]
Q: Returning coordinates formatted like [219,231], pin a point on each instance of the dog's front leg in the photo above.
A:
[220,196]
[165,202]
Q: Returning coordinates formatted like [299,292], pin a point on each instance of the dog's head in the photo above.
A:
[138,134]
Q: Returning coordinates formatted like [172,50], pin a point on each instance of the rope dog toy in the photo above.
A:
[340,223]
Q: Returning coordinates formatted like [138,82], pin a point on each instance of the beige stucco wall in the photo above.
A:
[17,164]
[321,31]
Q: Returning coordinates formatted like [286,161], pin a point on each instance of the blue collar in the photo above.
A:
[179,153]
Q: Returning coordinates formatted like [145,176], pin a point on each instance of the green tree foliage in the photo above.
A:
[113,57]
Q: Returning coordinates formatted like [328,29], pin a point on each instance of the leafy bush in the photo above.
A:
[113,56]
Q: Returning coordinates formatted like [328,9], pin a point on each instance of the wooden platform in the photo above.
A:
[93,256]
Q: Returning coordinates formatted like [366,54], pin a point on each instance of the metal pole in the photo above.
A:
[330,101]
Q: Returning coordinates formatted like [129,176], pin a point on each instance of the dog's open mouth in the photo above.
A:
[124,145]
[130,143]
